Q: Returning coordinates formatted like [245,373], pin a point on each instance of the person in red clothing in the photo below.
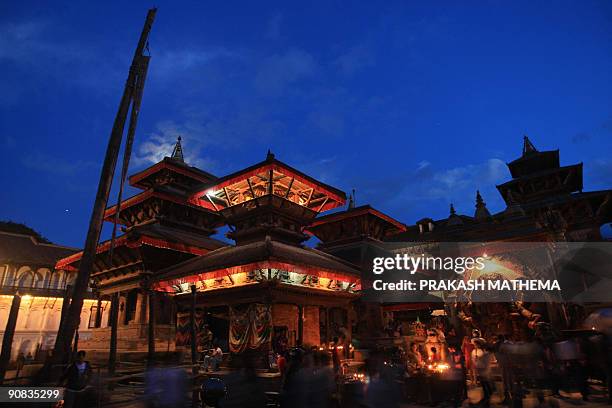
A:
[466,349]
[281,363]
[336,352]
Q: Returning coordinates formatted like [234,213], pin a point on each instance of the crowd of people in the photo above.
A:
[446,367]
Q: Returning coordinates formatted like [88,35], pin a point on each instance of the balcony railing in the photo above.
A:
[44,292]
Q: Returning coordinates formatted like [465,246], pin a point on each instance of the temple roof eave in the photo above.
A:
[271,163]
[151,235]
[262,254]
[353,212]
[173,165]
[152,193]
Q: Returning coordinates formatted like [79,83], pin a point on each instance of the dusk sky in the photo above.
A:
[413,105]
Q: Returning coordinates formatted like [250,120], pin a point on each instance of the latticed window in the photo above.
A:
[92,316]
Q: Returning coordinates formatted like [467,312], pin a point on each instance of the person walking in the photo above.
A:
[481,359]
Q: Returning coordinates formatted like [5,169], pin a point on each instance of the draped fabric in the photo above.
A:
[183,328]
[250,327]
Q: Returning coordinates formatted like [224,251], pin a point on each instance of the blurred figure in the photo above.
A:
[166,387]
[481,359]
[20,363]
[76,378]
[467,347]
[207,338]
[243,389]
[281,364]
[295,387]
[504,367]
[457,374]
[380,391]
[336,357]
[323,384]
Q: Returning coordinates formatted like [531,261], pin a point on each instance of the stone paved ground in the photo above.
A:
[130,397]
[130,393]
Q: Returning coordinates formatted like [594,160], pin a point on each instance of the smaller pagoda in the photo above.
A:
[161,227]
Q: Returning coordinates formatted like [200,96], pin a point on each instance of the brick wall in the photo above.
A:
[286,315]
[311,326]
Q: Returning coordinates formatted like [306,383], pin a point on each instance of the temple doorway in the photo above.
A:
[217,319]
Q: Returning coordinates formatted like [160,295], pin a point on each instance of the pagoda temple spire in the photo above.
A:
[351,203]
[528,147]
[177,152]
[481,208]
[453,218]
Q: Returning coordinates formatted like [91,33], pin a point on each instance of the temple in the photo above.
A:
[544,202]
[166,269]
[161,227]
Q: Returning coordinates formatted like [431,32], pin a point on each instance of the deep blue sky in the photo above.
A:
[414,105]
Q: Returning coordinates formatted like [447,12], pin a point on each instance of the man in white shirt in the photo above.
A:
[213,359]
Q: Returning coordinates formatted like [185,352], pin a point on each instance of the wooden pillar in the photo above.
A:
[9,332]
[194,345]
[300,333]
[114,314]
[328,336]
[151,327]
[141,307]
[99,313]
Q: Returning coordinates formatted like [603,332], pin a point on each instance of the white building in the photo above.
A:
[27,267]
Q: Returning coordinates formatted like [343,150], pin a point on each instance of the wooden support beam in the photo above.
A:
[252,192]
[227,197]
[64,311]
[323,204]
[289,187]
[9,333]
[309,197]
[212,202]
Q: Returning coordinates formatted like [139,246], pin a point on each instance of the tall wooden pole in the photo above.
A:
[66,332]
[194,339]
[112,352]
[9,332]
[65,304]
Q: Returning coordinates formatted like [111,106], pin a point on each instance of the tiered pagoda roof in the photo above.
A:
[354,224]
[267,206]
[269,178]
[542,197]
[538,174]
